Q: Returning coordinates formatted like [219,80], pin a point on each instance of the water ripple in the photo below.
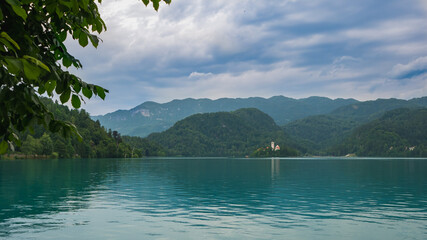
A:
[216,199]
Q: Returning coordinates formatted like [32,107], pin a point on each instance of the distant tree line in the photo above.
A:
[246,132]
[97,141]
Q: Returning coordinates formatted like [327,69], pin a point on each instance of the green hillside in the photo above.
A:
[398,133]
[152,117]
[237,133]
[372,128]
[97,141]
[313,135]
[316,134]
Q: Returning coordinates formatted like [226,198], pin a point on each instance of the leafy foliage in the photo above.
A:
[32,35]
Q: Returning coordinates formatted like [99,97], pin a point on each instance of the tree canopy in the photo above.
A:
[33,57]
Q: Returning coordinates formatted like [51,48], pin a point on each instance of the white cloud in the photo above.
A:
[388,31]
[199,31]
[276,79]
[199,48]
[199,75]
[413,68]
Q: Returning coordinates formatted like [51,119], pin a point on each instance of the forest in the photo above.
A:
[97,142]
[398,133]
[238,133]
[365,130]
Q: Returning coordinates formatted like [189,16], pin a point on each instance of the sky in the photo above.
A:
[364,49]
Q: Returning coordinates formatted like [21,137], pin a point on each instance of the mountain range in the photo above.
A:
[383,127]
[399,132]
[152,117]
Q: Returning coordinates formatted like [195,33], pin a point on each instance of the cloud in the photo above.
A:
[199,75]
[280,78]
[198,48]
[412,69]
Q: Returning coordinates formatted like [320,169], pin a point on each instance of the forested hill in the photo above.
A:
[398,133]
[97,141]
[237,133]
[152,117]
[316,134]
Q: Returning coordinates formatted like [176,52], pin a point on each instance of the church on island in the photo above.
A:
[274,148]
[271,150]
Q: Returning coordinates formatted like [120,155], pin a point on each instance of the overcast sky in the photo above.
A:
[364,49]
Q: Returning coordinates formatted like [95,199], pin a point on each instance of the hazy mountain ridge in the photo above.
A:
[152,117]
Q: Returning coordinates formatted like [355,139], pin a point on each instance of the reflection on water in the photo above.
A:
[214,199]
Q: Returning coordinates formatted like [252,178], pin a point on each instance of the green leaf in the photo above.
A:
[59,87]
[101,92]
[59,12]
[66,61]
[77,87]
[146,2]
[73,129]
[3,146]
[8,38]
[98,26]
[63,36]
[77,63]
[30,70]
[1,15]
[41,89]
[76,33]
[65,96]
[68,4]
[75,101]
[51,7]
[87,92]
[8,45]
[83,39]
[16,6]
[36,62]
[156,4]
[75,6]
[94,40]
[84,4]
[50,86]
[14,65]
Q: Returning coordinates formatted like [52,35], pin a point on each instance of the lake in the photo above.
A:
[214,198]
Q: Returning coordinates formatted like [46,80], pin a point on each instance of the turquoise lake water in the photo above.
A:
[210,198]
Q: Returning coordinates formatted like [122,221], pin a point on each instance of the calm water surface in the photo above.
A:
[214,199]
